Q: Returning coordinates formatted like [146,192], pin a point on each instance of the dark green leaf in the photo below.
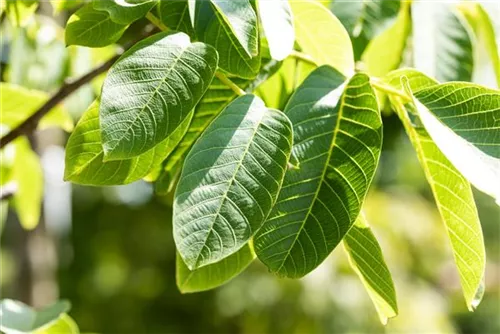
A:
[125,11]
[150,91]
[337,140]
[175,15]
[230,181]
[93,28]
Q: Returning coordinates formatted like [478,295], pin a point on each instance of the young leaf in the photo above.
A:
[464,120]
[277,22]
[19,103]
[365,19]
[65,324]
[453,196]
[337,141]
[443,45]
[124,11]
[365,257]
[175,15]
[212,28]
[321,35]
[230,181]
[213,275]
[84,154]
[18,317]
[242,20]
[480,21]
[28,175]
[92,28]
[151,90]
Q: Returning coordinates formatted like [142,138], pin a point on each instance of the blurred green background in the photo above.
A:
[110,251]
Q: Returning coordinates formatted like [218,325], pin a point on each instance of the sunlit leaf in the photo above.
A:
[213,275]
[64,325]
[60,5]
[124,11]
[242,20]
[453,196]
[443,44]
[321,35]
[28,175]
[464,121]
[481,22]
[365,257]
[277,23]
[230,181]
[20,11]
[19,103]
[337,142]
[84,154]
[92,28]
[18,317]
[151,90]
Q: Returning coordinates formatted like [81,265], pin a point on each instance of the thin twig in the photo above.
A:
[305,57]
[380,86]
[225,80]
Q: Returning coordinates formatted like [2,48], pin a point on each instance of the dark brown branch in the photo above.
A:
[67,89]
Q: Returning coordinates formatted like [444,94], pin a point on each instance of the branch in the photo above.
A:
[225,80]
[304,57]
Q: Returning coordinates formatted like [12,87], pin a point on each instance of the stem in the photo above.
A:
[67,89]
[156,21]
[235,88]
[390,90]
[305,57]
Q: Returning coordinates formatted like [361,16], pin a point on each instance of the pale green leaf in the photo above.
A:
[365,257]
[442,41]
[337,142]
[321,35]
[453,196]
[59,5]
[230,181]
[20,12]
[483,28]
[151,90]
[92,28]
[242,20]
[18,317]
[212,28]
[125,11]
[385,52]
[175,15]
[64,325]
[277,23]
[28,175]
[19,103]
[84,154]
[213,275]
[367,17]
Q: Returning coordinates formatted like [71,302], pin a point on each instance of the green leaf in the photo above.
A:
[213,275]
[464,120]
[151,90]
[242,20]
[453,196]
[18,317]
[20,12]
[212,28]
[124,11]
[92,28]
[277,23]
[28,175]
[19,103]
[321,35]
[175,15]
[365,19]
[385,52]
[483,28]
[337,141]
[443,44]
[230,181]
[65,324]
[365,257]
[84,154]
[59,5]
